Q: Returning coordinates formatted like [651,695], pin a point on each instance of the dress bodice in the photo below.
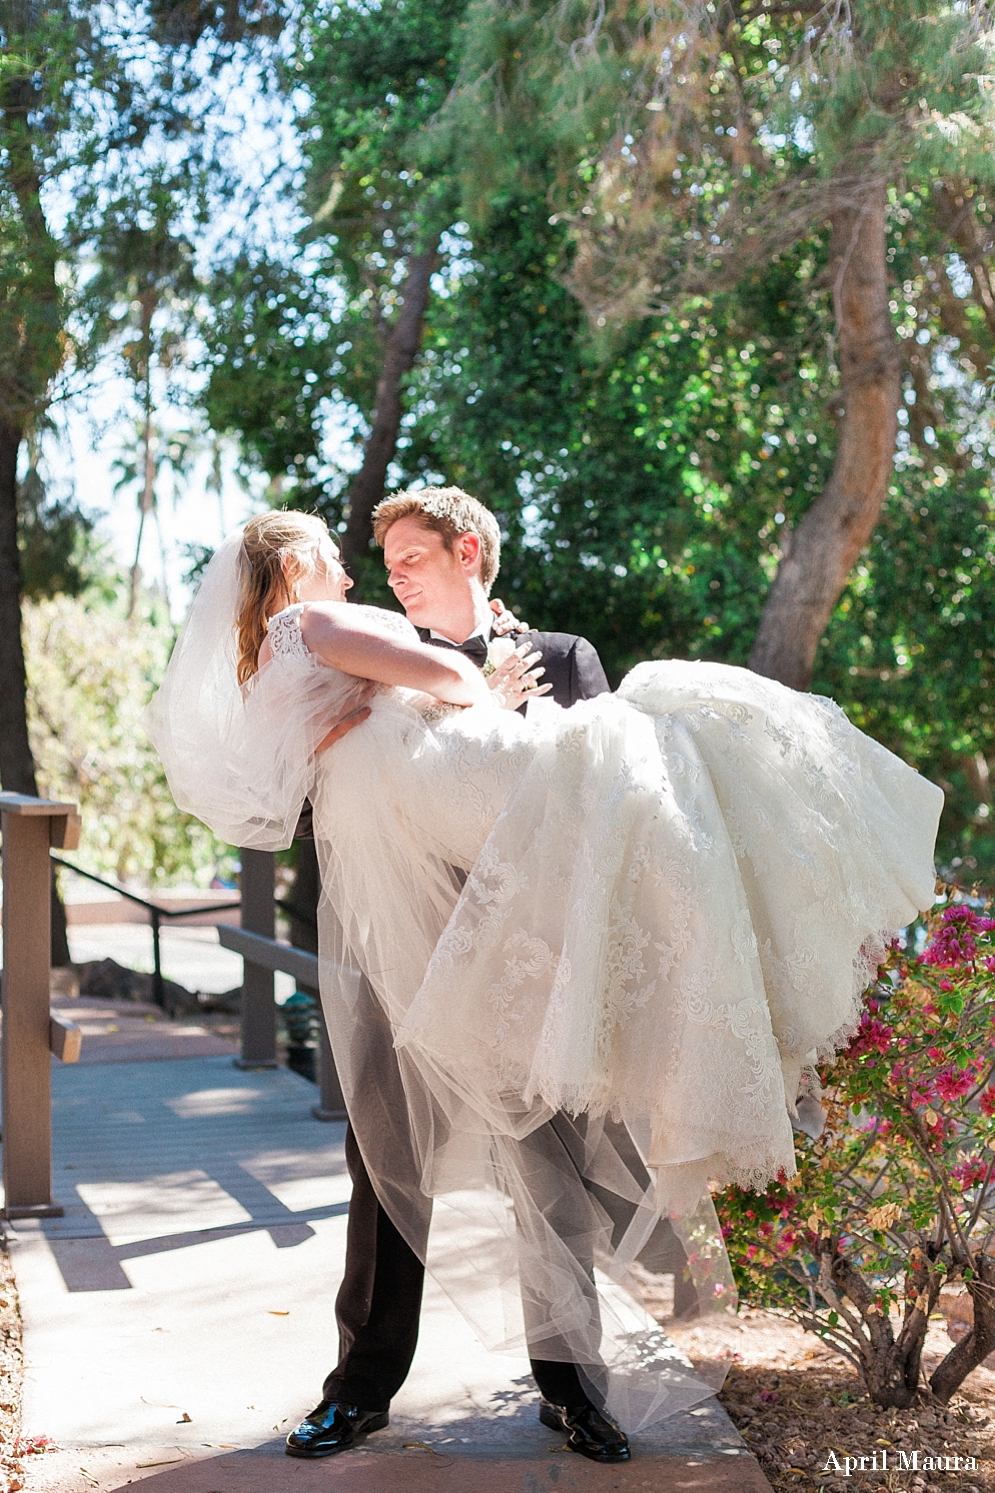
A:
[446,770]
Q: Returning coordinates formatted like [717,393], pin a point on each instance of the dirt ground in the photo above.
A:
[801,1409]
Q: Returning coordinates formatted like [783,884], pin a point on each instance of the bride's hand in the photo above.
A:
[515,680]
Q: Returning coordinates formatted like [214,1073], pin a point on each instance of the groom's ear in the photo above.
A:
[467,549]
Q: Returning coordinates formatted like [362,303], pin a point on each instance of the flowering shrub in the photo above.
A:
[896,1198]
[90,676]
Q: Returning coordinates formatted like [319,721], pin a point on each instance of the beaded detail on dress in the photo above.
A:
[438,710]
[285,636]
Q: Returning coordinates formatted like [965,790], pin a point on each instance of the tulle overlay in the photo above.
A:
[572,965]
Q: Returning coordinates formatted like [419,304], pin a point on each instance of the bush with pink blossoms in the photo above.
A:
[896,1198]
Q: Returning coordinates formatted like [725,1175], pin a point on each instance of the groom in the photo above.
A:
[442,549]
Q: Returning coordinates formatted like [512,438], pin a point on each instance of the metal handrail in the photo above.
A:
[156,915]
[297,912]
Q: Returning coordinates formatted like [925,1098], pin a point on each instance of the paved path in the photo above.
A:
[180,1316]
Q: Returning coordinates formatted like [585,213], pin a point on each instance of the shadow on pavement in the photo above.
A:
[94,1263]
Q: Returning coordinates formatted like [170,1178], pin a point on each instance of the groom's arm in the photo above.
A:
[572,666]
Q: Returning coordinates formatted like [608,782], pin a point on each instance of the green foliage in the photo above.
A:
[272,356]
[284,340]
[90,675]
[59,553]
[684,144]
[53,71]
[894,1199]
[378,74]
[638,482]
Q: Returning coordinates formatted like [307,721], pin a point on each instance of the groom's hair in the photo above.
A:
[450,512]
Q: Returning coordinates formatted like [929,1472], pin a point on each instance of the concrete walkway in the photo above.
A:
[179,1318]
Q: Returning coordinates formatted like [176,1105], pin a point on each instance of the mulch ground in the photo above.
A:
[10,1379]
[803,1412]
[802,1424]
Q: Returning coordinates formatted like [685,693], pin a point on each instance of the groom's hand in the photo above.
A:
[346,723]
[505,622]
[343,727]
[516,679]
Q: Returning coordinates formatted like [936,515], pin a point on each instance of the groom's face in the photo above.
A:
[431,582]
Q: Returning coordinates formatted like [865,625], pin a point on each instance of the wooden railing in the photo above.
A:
[262,956]
[30,827]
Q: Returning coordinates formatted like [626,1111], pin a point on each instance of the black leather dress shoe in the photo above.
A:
[588,1431]
[332,1428]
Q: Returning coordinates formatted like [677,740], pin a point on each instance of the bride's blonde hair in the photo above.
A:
[279,550]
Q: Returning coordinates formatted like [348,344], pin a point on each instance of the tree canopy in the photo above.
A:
[697,297]
[637,353]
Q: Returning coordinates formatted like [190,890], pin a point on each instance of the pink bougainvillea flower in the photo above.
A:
[950,1084]
[956,941]
[872,1036]
[970,1173]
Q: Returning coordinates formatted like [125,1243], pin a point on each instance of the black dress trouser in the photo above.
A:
[379,1304]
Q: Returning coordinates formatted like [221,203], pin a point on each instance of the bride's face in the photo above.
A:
[329,581]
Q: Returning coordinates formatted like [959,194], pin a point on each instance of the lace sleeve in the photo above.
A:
[286,640]
[284,631]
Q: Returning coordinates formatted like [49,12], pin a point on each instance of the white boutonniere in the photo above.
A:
[498,649]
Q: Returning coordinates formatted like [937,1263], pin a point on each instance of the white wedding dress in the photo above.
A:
[655,908]
[675,897]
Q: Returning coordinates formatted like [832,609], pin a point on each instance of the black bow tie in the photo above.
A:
[475,648]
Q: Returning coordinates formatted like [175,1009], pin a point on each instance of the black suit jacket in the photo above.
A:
[572,667]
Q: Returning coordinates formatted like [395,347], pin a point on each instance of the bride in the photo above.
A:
[658,907]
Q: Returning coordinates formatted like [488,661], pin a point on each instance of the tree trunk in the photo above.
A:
[822,550]
[402,346]
[27,373]
[17,765]
[975,1347]
[889,1368]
